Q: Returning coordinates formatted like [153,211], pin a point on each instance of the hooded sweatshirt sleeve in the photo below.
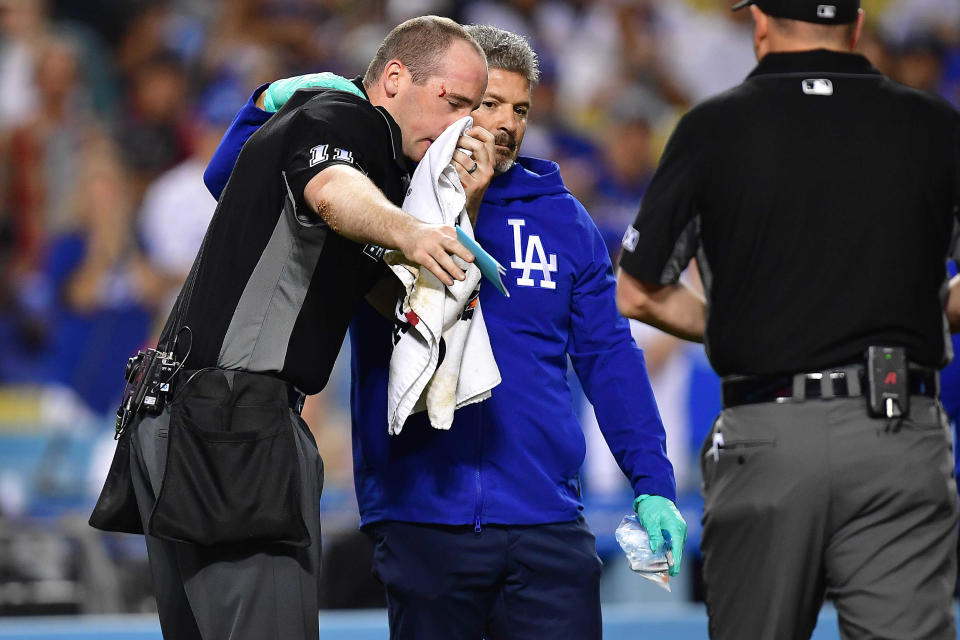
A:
[613,373]
[244,124]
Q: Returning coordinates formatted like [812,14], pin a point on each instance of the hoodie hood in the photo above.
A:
[527,178]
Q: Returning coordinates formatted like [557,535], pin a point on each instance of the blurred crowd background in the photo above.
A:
[109,112]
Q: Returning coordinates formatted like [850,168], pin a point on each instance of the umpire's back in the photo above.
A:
[844,185]
[819,198]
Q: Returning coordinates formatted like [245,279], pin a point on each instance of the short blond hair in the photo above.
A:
[420,44]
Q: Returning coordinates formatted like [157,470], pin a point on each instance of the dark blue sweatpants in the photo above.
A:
[516,582]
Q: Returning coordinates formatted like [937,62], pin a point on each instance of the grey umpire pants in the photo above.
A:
[810,497]
[265,592]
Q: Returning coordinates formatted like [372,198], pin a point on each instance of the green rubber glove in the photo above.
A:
[657,514]
[280,91]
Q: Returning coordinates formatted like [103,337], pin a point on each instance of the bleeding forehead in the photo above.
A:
[463,70]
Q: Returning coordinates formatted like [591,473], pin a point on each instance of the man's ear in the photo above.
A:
[858,29]
[392,74]
[761,29]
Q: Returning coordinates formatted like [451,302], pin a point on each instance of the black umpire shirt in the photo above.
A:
[273,289]
[819,198]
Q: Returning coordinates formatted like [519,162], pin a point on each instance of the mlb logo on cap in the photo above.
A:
[837,12]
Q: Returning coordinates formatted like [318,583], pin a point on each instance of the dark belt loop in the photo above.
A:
[932,379]
[296,399]
[300,402]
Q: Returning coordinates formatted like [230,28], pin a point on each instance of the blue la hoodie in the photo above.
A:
[515,458]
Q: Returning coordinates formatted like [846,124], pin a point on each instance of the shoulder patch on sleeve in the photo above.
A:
[630,238]
[319,154]
[342,155]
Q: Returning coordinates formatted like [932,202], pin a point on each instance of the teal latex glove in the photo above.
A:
[657,514]
[280,91]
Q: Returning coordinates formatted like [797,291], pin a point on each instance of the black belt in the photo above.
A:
[845,382]
[295,397]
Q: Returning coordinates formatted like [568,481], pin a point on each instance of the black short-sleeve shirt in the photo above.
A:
[819,198]
[273,288]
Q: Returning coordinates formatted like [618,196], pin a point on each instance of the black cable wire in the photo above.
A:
[173,349]
[192,376]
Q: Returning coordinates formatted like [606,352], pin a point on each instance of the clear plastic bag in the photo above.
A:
[635,543]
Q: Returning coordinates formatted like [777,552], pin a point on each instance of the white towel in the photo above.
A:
[441,358]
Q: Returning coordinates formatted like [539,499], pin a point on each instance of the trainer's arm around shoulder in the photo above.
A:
[674,308]
[354,207]
[250,118]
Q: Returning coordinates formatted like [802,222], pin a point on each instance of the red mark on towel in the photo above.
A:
[443,89]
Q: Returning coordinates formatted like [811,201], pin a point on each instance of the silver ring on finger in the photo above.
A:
[473,168]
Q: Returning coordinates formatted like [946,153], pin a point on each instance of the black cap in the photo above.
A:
[818,11]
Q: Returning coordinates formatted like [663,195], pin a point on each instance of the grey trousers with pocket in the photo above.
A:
[815,497]
[235,592]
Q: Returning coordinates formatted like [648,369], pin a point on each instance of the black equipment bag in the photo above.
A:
[232,472]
